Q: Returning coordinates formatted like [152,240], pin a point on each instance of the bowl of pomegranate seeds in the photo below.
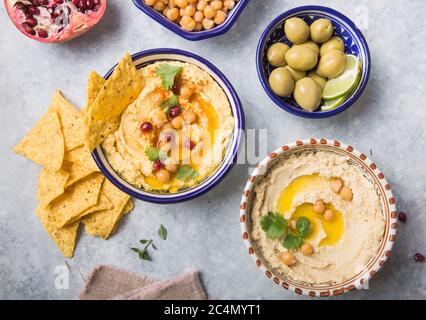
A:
[51,21]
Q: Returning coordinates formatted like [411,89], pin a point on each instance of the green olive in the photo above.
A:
[297,75]
[307,94]
[318,79]
[276,54]
[311,45]
[334,43]
[281,82]
[296,30]
[301,58]
[332,64]
[321,30]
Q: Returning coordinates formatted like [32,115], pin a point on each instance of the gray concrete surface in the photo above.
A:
[388,122]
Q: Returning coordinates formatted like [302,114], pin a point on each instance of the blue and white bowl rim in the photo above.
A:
[150,56]
[350,27]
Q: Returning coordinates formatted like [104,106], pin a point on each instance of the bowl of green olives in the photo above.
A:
[313,62]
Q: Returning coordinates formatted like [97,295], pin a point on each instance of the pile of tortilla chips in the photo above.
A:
[71,190]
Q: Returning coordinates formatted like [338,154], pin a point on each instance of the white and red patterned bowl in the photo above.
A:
[386,198]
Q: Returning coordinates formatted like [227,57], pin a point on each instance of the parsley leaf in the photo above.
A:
[168,73]
[170,103]
[303,227]
[292,242]
[162,232]
[274,225]
[186,172]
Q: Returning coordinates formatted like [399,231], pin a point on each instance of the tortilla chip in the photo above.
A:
[82,157]
[50,186]
[44,144]
[64,237]
[78,198]
[127,208]
[71,120]
[76,172]
[102,223]
[95,85]
[118,92]
[103,204]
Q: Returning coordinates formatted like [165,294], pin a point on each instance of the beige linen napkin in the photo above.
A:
[110,283]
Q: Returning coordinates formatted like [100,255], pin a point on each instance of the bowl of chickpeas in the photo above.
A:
[194,19]
[313,62]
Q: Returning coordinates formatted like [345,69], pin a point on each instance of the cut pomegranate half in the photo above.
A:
[55,20]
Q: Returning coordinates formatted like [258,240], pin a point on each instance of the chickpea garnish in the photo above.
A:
[293,224]
[158,117]
[287,258]
[319,207]
[186,92]
[177,122]
[328,215]
[190,116]
[307,249]
[171,167]
[336,185]
[346,193]
[163,175]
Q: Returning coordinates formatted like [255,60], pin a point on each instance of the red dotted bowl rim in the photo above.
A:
[387,200]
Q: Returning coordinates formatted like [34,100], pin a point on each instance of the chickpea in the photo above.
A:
[181,3]
[307,249]
[192,1]
[201,5]
[293,224]
[182,12]
[190,11]
[173,14]
[229,4]
[216,4]
[199,16]
[166,9]
[328,215]
[150,2]
[159,6]
[171,167]
[336,185]
[319,207]
[346,193]
[208,23]
[186,92]
[190,116]
[198,26]
[287,258]
[177,122]
[187,23]
[163,175]
[220,17]
[158,117]
[209,12]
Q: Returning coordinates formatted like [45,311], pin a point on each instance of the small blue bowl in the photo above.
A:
[198,35]
[145,58]
[343,27]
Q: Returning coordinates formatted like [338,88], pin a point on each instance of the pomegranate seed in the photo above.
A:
[19,5]
[28,28]
[42,33]
[419,257]
[402,216]
[190,144]
[146,127]
[90,4]
[174,112]
[33,10]
[176,88]
[157,165]
[32,22]
[58,1]
[168,138]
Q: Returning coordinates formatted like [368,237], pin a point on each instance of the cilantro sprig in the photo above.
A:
[143,253]
[168,73]
[276,227]
[186,172]
[154,154]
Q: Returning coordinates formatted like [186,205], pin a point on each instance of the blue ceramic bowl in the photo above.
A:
[144,58]
[343,27]
[193,36]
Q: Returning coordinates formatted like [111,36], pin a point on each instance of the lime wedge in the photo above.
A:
[333,104]
[346,82]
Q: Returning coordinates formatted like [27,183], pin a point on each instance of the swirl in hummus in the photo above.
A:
[340,245]
[174,135]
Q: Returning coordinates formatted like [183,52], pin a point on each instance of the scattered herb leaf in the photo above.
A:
[144,241]
[153,154]
[274,225]
[162,232]
[303,227]
[186,172]
[292,242]
[169,103]
[168,73]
